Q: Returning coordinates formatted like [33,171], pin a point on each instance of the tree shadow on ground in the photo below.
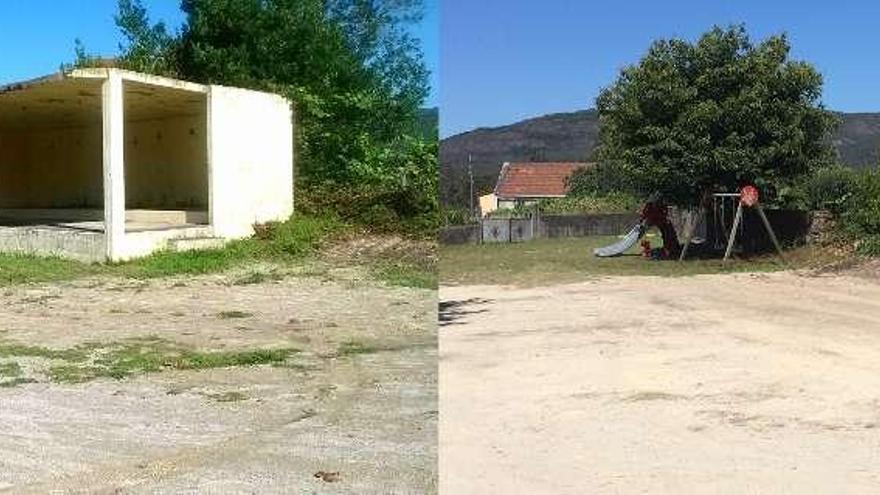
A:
[450,312]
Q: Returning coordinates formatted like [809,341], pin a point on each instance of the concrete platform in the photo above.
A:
[84,240]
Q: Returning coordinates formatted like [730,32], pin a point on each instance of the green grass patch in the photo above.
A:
[19,268]
[405,274]
[552,261]
[352,347]
[286,247]
[297,237]
[119,360]
[196,262]
[278,242]
[10,370]
[78,353]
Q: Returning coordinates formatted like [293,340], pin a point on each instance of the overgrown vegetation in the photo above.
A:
[280,242]
[296,243]
[403,202]
[457,215]
[610,202]
[692,118]
[406,273]
[357,78]
[852,196]
[861,217]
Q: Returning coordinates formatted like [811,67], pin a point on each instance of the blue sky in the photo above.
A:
[37,36]
[505,60]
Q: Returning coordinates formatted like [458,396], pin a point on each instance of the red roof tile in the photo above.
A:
[535,180]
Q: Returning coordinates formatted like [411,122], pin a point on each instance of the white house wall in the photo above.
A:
[251,159]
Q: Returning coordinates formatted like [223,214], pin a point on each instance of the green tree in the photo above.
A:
[356,76]
[698,117]
[148,48]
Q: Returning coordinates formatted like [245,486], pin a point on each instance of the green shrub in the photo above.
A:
[861,212]
[830,189]
[616,202]
[519,211]
[457,216]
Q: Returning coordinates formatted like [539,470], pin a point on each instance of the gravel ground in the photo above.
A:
[323,422]
[705,384]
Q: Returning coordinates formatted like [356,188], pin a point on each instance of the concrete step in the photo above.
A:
[193,243]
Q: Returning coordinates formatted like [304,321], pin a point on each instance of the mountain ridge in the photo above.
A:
[572,136]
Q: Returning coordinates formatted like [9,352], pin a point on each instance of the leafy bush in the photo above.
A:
[853,197]
[861,215]
[519,211]
[397,195]
[457,216]
[356,76]
[607,203]
[830,189]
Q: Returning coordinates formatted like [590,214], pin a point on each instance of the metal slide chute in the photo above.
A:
[625,244]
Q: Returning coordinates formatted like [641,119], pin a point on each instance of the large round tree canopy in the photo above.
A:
[692,118]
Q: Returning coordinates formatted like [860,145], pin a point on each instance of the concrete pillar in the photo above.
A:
[114,165]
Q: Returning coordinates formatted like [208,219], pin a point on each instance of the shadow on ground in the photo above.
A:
[452,311]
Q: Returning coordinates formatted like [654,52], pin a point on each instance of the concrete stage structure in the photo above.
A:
[108,165]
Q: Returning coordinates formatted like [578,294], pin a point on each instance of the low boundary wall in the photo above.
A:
[791,226]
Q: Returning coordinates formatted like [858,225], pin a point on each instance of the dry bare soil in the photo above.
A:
[218,385]
[733,383]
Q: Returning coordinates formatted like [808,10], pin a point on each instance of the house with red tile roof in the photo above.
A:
[527,182]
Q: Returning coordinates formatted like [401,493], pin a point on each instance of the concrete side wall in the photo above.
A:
[50,241]
[166,163]
[251,159]
[51,168]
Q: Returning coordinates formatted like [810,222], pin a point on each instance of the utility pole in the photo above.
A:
[471,180]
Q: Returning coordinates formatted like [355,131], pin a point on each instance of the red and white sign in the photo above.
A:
[748,195]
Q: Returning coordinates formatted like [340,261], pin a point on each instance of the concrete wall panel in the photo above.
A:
[51,168]
[251,156]
[166,163]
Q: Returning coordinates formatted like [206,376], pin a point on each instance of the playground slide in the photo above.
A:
[624,244]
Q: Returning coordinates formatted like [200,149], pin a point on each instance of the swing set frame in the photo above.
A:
[746,198]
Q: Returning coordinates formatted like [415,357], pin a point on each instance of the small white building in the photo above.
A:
[107,164]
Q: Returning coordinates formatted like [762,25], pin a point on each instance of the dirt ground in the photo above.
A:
[738,383]
[326,421]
